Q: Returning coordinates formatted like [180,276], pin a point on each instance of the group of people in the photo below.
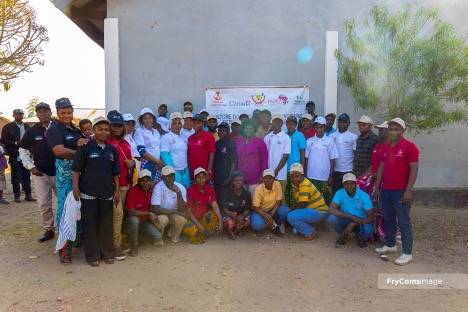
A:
[186,175]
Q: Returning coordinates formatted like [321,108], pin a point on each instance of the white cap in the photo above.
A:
[175,115]
[198,171]
[399,121]
[320,120]
[268,172]
[164,122]
[211,117]
[307,116]
[167,170]
[366,119]
[203,110]
[349,177]
[237,121]
[187,115]
[383,125]
[99,120]
[144,173]
[128,117]
[146,110]
[297,167]
[277,116]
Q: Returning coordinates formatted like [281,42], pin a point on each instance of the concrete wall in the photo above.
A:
[170,51]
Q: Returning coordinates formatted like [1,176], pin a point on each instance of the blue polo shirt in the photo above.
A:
[298,143]
[356,205]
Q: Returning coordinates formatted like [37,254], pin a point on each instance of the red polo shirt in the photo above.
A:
[396,162]
[376,157]
[124,152]
[199,202]
[200,145]
[139,200]
[308,133]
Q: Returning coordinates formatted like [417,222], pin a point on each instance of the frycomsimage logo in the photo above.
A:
[218,98]
[258,98]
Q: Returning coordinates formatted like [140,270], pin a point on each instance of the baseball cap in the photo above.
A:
[167,170]
[18,111]
[163,122]
[344,117]
[398,121]
[211,117]
[197,117]
[146,110]
[268,172]
[349,177]
[99,120]
[144,173]
[223,125]
[198,171]
[320,120]
[203,110]
[277,116]
[297,167]
[62,103]
[128,117]
[187,115]
[175,115]
[383,125]
[291,118]
[306,116]
[366,119]
[42,105]
[116,119]
[237,121]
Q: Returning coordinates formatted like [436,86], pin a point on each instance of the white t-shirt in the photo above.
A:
[150,139]
[176,145]
[319,152]
[129,138]
[166,198]
[187,133]
[278,144]
[346,144]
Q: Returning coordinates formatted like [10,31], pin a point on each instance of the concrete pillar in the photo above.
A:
[331,73]
[112,63]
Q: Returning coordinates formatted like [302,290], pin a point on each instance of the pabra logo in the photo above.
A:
[283,99]
[258,98]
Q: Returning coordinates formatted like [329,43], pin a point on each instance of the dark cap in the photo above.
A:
[163,105]
[18,111]
[292,118]
[42,105]
[344,117]
[62,103]
[198,117]
[224,125]
[115,117]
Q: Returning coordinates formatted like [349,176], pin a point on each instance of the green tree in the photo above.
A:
[21,40]
[409,64]
[31,107]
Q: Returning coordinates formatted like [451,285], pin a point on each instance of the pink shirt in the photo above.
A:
[252,159]
[396,162]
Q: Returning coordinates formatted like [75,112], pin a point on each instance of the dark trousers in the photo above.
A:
[396,212]
[338,181]
[19,174]
[96,218]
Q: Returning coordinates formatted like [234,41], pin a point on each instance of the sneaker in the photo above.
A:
[277,231]
[341,240]
[29,198]
[48,235]
[17,199]
[159,243]
[404,259]
[133,252]
[282,229]
[3,201]
[119,255]
[175,240]
[385,249]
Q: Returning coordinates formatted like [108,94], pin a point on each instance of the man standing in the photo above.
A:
[187,129]
[306,126]
[396,176]
[12,133]
[188,107]
[364,146]
[41,166]
[329,129]
[345,142]
[201,148]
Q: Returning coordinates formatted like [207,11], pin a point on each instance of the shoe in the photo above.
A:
[404,259]
[310,237]
[119,255]
[17,199]
[277,231]
[29,198]
[109,261]
[341,240]
[361,241]
[159,243]
[175,240]
[282,229]
[3,201]
[48,235]
[385,249]
[133,252]
[294,231]
[93,263]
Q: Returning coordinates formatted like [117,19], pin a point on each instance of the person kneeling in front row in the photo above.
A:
[169,202]
[351,212]
[141,218]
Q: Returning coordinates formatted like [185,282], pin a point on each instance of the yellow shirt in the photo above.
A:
[266,199]
[307,192]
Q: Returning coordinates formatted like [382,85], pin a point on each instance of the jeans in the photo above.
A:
[302,220]
[396,212]
[257,223]
[134,226]
[339,224]
[19,174]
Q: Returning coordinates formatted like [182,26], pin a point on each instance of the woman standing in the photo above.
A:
[126,165]
[148,141]
[236,205]
[129,123]
[63,137]
[252,155]
[174,150]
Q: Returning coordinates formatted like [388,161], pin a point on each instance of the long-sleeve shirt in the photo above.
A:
[252,159]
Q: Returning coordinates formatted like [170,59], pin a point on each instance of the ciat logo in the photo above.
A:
[284,99]
[258,98]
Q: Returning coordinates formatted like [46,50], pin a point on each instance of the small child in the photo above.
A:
[3,166]
[86,128]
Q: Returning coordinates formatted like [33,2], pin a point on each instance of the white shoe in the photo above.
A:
[175,240]
[159,243]
[282,229]
[385,249]
[404,259]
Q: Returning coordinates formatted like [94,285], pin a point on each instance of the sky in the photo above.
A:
[74,67]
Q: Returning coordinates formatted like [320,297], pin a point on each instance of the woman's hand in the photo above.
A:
[129,163]
[76,193]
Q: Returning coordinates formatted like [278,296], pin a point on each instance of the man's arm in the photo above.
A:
[335,210]
[378,182]
[281,164]
[6,138]
[414,168]
[302,157]
[210,163]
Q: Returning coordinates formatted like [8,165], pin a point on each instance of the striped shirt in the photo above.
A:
[307,192]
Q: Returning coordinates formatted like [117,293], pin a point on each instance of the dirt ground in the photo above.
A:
[254,273]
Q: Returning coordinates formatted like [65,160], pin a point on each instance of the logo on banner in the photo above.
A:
[217,98]
[283,99]
[258,98]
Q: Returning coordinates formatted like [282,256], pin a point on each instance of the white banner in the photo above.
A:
[227,103]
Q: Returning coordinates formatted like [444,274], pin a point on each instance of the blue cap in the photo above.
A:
[198,117]
[344,117]
[115,117]
[224,125]
[62,103]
